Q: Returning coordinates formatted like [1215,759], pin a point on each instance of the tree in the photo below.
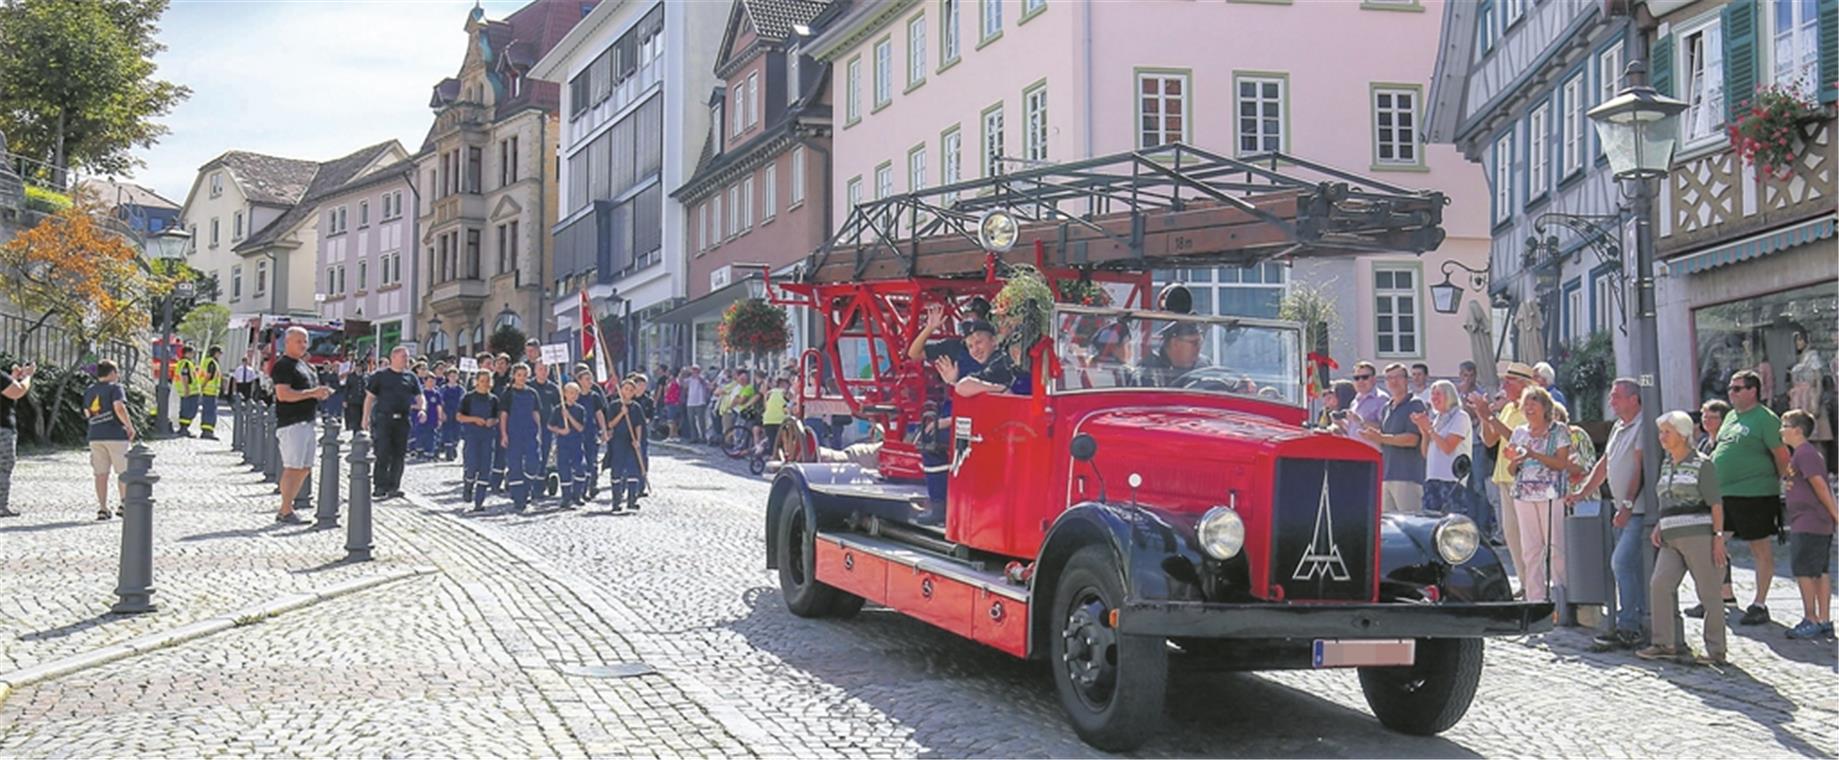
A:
[508,340]
[205,325]
[79,276]
[77,80]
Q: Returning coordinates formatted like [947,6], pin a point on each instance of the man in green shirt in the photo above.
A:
[1751,461]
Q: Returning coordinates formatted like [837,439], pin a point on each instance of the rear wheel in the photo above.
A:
[1431,695]
[804,595]
[1112,686]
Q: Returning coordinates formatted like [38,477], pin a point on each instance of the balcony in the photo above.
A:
[1717,196]
[461,116]
[468,207]
[458,298]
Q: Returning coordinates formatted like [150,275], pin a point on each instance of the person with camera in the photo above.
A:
[14,385]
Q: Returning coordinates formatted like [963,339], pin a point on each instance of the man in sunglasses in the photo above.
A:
[1369,401]
[1751,462]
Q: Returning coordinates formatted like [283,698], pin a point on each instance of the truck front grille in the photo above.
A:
[1323,522]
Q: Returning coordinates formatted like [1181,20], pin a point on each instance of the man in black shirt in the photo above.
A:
[355,383]
[297,397]
[390,397]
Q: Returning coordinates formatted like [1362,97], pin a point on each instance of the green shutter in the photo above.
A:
[1829,51]
[1739,58]
[1660,65]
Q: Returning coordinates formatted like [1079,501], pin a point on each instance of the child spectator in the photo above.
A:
[428,420]
[1811,519]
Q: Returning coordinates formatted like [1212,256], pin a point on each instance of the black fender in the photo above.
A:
[1155,550]
[1408,559]
[831,492]
[788,481]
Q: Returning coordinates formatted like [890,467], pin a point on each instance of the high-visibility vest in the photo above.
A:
[185,370]
[212,376]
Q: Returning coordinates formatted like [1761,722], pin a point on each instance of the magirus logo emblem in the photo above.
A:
[1323,557]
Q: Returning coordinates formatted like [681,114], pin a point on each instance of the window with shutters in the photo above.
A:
[1395,127]
[1700,55]
[1571,131]
[1162,108]
[1538,151]
[1794,27]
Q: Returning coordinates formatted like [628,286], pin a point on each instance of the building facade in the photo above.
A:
[367,263]
[633,79]
[486,180]
[1750,277]
[948,90]
[140,208]
[757,202]
[1511,91]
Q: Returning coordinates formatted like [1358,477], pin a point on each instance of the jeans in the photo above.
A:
[692,423]
[1631,589]
[392,446]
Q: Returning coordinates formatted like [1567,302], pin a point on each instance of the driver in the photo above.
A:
[1178,355]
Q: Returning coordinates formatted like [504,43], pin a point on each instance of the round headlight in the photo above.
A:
[1456,538]
[997,231]
[1221,532]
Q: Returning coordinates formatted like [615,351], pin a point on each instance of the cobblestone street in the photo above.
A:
[491,650]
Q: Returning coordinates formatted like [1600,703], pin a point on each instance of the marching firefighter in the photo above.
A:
[625,440]
[451,395]
[594,403]
[567,427]
[185,374]
[477,416]
[519,420]
[501,381]
[428,419]
[212,375]
[551,396]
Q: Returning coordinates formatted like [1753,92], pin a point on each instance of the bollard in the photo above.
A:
[236,424]
[252,442]
[357,531]
[271,459]
[135,581]
[327,517]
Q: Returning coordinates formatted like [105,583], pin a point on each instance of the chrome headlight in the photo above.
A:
[1456,538]
[1221,532]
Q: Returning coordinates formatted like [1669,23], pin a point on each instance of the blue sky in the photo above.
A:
[307,79]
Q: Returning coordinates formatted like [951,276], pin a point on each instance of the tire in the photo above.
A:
[1430,696]
[1111,686]
[756,465]
[738,443]
[798,583]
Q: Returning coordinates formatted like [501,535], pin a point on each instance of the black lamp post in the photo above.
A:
[169,245]
[1639,131]
[434,332]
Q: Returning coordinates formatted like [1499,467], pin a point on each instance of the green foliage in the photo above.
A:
[1023,309]
[45,201]
[1314,309]
[205,325]
[1584,374]
[77,78]
[57,396]
[753,326]
[508,340]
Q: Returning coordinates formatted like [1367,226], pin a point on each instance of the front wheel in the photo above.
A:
[1112,686]
[1430,696]
[804,595]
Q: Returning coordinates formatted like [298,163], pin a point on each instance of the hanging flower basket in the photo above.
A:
[753,326]
[1084,293]
[1769,134]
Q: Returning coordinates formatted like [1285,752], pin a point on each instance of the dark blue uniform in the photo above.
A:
[499,384]
[593,404]
[481,443]
[451,395]
[625,451]
[570,468]
[550,395]
[428,423]
[520,407]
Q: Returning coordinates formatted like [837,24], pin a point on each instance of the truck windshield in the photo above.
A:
[1102,349]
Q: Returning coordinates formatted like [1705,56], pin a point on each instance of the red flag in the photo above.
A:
[591,352]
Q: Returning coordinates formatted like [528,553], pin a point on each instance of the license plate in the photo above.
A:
[1361,653]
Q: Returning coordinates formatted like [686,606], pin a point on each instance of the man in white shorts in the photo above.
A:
[297,397]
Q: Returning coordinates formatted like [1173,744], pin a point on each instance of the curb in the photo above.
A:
[157,640]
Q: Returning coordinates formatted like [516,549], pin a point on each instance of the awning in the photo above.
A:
[1753,246]
[711,305]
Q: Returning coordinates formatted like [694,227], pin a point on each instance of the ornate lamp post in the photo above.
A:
[169,245]
[1446,296]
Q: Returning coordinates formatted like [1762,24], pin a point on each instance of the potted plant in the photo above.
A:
[753,327]
[1768,135]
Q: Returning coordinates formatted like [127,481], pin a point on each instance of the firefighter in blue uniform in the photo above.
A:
[568,428]
[594,403]
[477,416]
[501,379]
[551,396]
[625,439]
[451,395]
[519,422]
[429,419]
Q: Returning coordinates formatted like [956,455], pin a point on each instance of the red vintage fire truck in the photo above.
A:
[1138,504]
[259,336]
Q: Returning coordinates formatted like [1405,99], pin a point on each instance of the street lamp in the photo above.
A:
[1446,296]
[169,245]
[1638,129]
[436,341]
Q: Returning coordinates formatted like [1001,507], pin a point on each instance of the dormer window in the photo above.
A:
[792,85]
[715,118]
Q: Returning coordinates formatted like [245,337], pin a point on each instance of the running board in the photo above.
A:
[942,591]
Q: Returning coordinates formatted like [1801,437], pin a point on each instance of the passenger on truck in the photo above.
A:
[1178,355]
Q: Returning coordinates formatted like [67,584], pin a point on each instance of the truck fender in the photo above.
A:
[1408,554]
[789,481]
[1155,553]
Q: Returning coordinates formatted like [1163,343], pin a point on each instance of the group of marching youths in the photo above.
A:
[526,434]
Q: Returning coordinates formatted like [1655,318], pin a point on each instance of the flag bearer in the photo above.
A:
[451,394]
[211,375]
[594,403]
[186,374]
[567,424]
[477,416]
[625,438]
[519,420]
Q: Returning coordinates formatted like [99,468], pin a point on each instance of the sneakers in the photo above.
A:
[1807,629]
[1826,629]
[291,518]
[1618,640]
[1659,653]
[1755,615]
[8,512]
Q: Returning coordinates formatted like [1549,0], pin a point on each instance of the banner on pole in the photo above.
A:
[555,354]
[469,365]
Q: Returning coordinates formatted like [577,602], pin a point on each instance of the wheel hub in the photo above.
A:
[1089,658]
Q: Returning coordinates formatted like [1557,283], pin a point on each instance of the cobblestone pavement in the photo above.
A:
[216,549]
[690,568]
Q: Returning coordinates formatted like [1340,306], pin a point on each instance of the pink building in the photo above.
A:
[934,91]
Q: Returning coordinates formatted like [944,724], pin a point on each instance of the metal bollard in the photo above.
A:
[236,424]
[357,531]
[252,443]
[327,517]
[271,460]
[134,584]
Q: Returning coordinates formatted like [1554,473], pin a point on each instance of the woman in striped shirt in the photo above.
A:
[1690,536]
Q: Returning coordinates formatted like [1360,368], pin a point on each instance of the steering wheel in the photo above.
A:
[1198,379]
